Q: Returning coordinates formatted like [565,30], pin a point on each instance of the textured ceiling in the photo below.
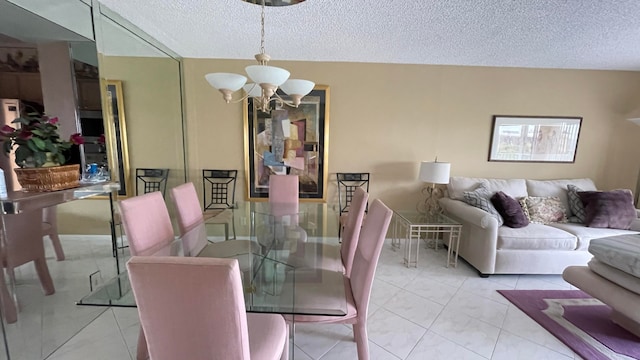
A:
[580,34]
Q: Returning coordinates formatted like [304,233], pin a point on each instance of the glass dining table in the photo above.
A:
[290,260]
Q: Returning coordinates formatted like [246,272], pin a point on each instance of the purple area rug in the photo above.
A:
[579,321]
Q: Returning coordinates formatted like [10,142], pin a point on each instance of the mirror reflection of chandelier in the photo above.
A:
[266,81]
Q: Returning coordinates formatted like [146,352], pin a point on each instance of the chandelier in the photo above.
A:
[266,80]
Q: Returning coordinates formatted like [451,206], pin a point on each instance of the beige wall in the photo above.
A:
[385,119]
[152,103]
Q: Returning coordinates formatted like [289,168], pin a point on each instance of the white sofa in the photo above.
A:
[533,249]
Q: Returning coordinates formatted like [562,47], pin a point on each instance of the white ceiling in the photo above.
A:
[580,34]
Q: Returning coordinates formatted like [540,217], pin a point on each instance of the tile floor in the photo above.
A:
[428,312]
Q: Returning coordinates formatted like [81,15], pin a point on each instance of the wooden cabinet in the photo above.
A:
[89,94]
[19,85]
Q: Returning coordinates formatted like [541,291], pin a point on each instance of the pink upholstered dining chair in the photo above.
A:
[189,215]
[358,285]
[193,308]
[352,228]
[283,189]
[147,224]
[50,228]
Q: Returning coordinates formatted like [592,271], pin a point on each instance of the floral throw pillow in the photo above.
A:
[523,204]
[480,198]
[545,210]
[576,205]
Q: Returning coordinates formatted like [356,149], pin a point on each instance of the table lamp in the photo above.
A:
[433,172]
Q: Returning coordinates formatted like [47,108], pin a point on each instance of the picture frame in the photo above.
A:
[548,139]
[288,140]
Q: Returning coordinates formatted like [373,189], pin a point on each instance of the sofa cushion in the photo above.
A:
[510,210]
[535,237]
[622,252]
[480,198]
[545,210]
[558,188]
[576,207]
[614,275]
[586,234]
[608,209]
[459,184]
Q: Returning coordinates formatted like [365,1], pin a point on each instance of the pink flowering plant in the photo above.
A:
[36,141]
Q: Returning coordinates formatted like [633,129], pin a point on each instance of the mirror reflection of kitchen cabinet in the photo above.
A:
[89,97]
[21,85]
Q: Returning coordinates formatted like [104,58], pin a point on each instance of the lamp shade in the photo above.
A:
[435,172]
[226,81]
[263,74]
[297,87]
[635,121]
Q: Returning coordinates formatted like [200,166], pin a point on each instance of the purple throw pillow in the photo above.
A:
[608,209]
[510,210]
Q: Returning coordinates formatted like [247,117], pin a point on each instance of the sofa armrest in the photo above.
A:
[468,213]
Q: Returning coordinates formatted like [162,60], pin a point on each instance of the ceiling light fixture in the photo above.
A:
[266,80]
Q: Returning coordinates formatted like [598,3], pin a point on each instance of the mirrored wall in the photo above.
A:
[126,98]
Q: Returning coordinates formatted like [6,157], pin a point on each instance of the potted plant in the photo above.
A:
[40,153]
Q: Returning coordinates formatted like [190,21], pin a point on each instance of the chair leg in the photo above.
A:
[8,305]
[142,352]
[362,340]
[226,231]
[57,246]
[45,278]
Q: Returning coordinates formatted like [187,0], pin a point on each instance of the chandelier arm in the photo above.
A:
[238,100]
[276,97]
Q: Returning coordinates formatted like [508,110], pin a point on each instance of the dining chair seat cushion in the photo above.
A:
[268,336]
[218,216]
[352,312]
[225,249]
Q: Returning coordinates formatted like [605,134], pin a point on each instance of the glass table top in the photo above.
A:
[416,218]
[290,264]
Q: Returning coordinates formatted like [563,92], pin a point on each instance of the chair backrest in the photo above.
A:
[283,189]
[187,205]
[151,180]
[367,254]
[219,188]
[24,238]
[191,308]
[352,228]
[146,222]
[347,185]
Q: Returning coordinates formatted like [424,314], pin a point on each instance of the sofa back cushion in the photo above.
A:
[458,185]
[546,188]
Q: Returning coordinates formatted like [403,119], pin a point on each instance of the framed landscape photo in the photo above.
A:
[534,138]
[288,140]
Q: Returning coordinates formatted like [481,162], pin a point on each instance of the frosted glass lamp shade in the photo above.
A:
[226,81]
[253,90]
[435,172]
[635,121]
[297,87]
[264,74]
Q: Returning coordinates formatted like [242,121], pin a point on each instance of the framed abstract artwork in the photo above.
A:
[534,138]
[288,140]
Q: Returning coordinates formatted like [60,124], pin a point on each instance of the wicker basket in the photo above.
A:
[49,178]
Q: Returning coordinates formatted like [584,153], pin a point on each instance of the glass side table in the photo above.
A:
[413,225]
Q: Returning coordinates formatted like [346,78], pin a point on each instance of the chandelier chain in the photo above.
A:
[262,51]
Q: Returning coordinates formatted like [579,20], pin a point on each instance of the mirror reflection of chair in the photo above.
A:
[219,196]
[24,244]
[185,314]
[50,229]
[347,185]
[150,180]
